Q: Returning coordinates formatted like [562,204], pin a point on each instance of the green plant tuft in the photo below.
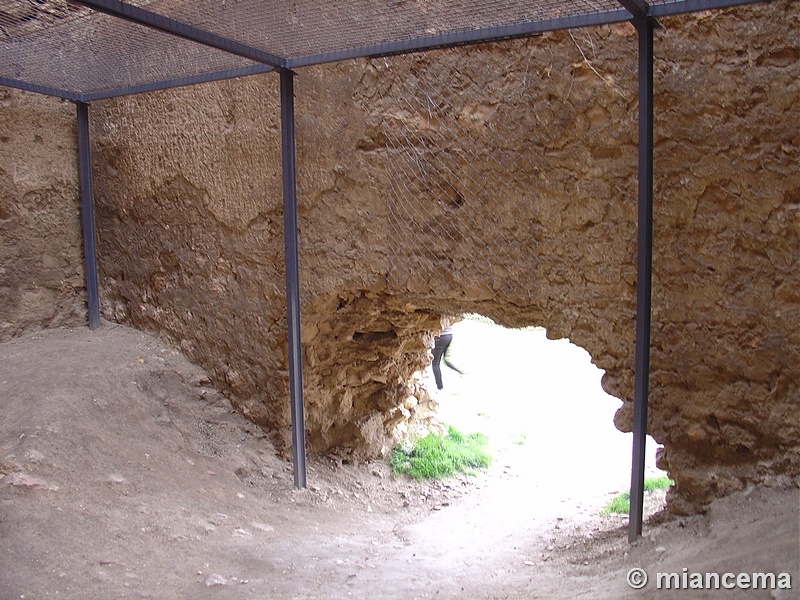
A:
[440,455]
[657,483]
[519,439]
[621,503]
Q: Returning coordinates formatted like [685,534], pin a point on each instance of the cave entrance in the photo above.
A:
[542,406]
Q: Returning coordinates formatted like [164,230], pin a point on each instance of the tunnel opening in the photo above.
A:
[541,404]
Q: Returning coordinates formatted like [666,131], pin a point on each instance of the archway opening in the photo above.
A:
[542,406]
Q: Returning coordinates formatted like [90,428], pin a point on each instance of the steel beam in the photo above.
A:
[40,89]
[87,216]
[176,82]
[464,37]
[644,27]
[157,21]
[292,277]
[686,6]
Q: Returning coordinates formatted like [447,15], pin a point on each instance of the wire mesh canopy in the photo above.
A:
[90,49]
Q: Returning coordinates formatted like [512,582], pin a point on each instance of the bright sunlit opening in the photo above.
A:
[542,406]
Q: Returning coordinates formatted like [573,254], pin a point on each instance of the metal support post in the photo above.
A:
[644,26]
[87,216]
[292,277]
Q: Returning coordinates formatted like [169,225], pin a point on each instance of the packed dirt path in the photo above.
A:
[126,475]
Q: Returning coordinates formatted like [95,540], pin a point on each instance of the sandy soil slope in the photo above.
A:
[126,475]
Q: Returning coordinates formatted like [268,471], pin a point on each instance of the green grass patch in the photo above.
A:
[439,455]
[621,503]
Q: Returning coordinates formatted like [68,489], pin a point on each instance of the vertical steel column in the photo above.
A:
[644,26]
[292,277]
[87,216]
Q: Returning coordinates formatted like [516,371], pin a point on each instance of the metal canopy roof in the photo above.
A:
[90,49]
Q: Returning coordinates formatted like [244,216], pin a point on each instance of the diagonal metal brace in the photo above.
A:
[147,18]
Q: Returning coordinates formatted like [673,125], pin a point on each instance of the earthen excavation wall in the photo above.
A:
[41,254]
[189,216]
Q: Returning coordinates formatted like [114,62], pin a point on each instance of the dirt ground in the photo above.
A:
[126,475]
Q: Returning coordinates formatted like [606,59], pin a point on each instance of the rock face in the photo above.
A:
[41,264]
[497,179]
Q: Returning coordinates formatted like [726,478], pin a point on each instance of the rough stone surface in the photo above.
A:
[190,230]
[41,257]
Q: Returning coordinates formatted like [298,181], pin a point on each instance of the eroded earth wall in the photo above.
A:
[189,215]
[41,254]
